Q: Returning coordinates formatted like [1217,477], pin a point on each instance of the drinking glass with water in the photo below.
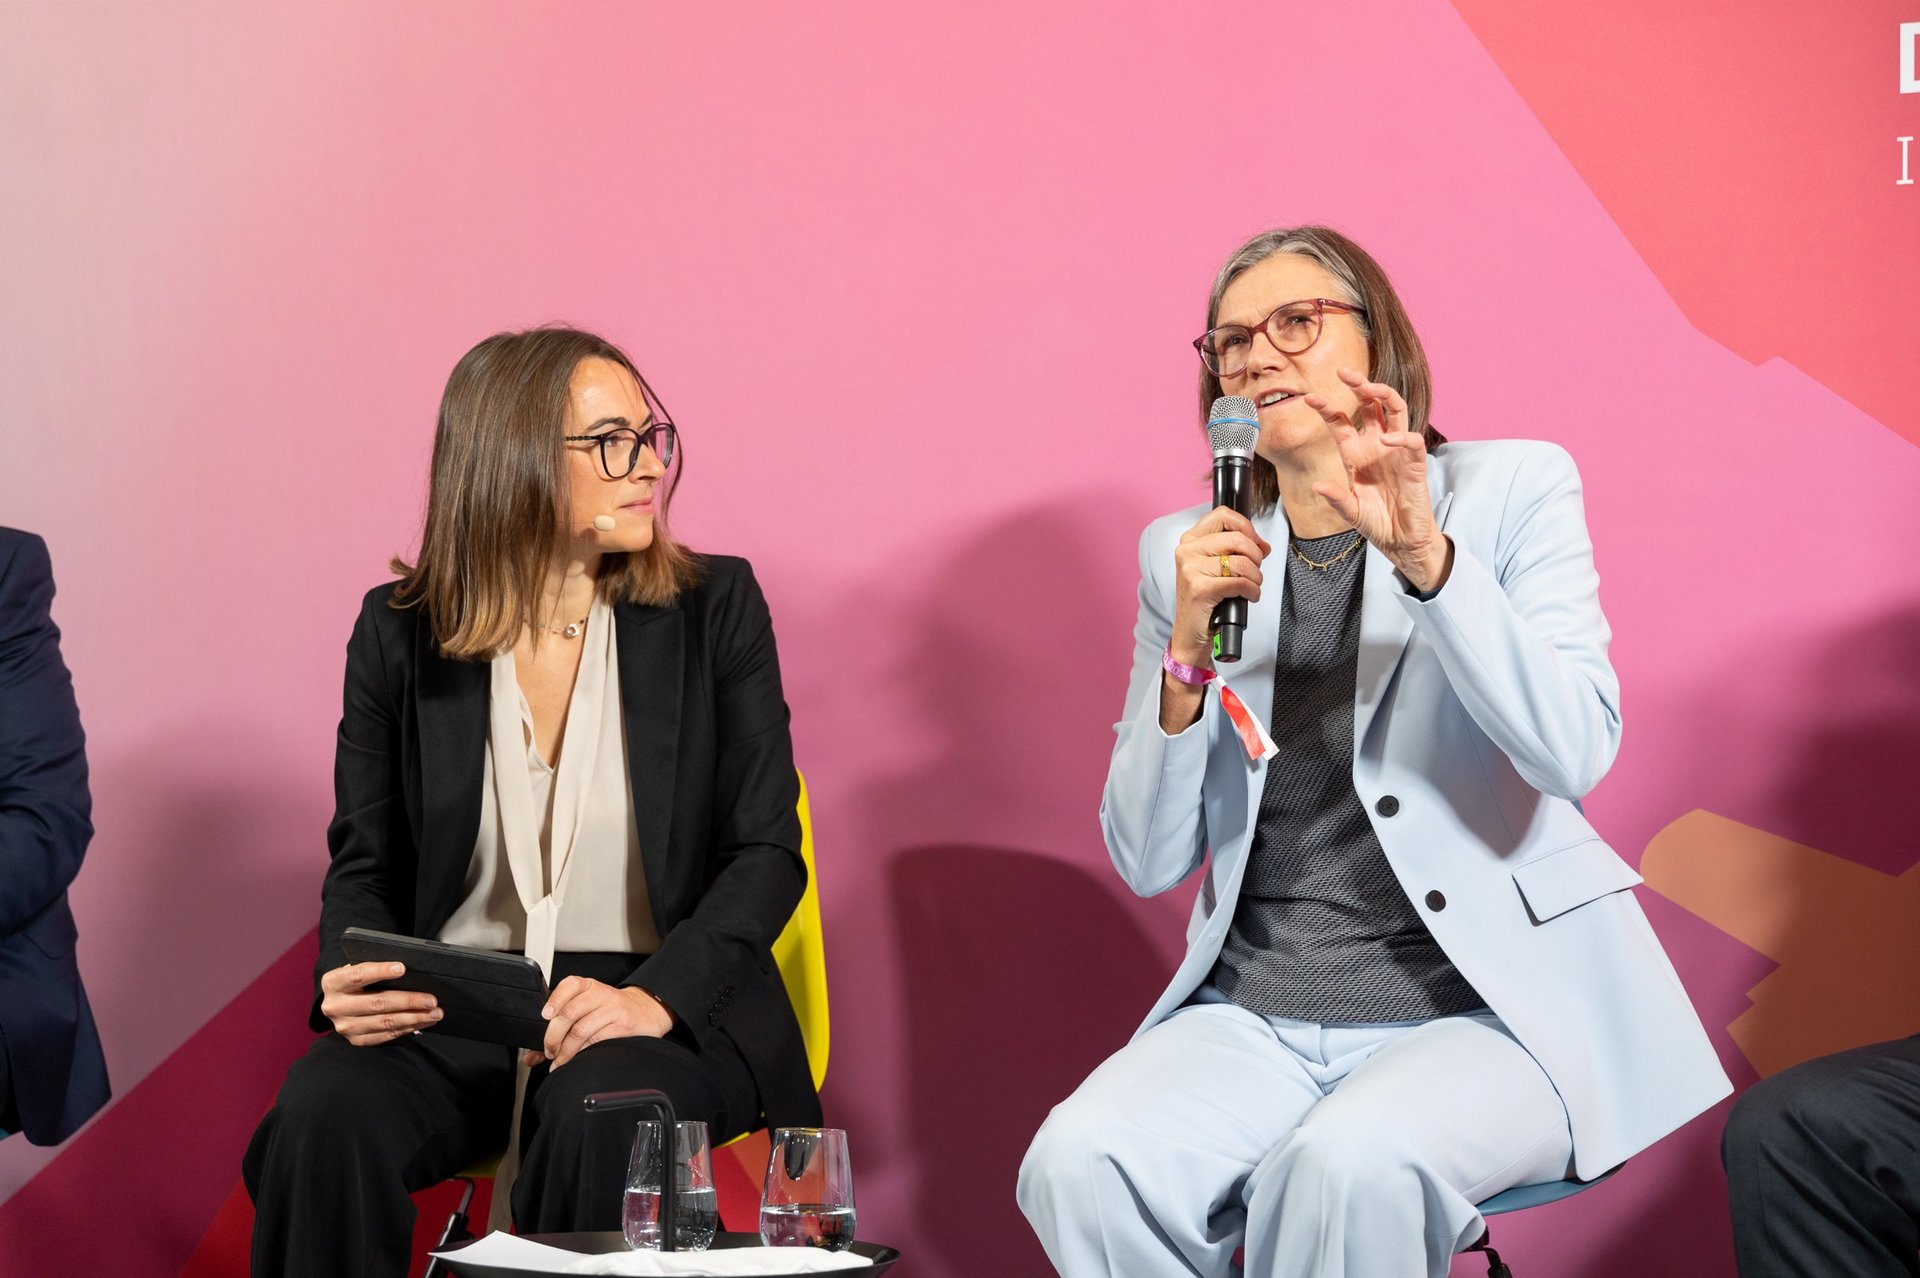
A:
[696,1206]
[809,1195]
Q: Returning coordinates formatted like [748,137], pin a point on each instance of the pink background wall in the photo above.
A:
[240,247]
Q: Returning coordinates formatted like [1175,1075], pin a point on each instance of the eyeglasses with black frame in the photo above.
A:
[620,447]
[1292,329]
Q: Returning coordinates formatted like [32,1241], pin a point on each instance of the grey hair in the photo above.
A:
[1307,241]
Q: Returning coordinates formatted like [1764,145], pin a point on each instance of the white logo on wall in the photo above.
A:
[1909,83]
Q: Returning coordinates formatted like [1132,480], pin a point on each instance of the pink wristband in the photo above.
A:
[1193,676]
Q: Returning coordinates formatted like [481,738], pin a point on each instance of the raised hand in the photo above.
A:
[1385,496]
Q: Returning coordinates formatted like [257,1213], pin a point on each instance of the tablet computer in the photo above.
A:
[483,994]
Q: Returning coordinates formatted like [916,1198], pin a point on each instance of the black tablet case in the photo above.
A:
[483,994]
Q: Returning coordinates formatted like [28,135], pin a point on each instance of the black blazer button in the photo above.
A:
[1387,806]
[1436,902]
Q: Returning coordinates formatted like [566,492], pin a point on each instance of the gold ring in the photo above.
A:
[1226,566]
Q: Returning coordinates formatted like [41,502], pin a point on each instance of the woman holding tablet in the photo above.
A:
[1415,976]
[563,734]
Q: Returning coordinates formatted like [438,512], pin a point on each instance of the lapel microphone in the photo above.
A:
[1232,426]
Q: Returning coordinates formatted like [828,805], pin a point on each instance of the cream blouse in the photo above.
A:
[556,865]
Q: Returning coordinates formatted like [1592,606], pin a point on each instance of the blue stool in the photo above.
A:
[1519,1198]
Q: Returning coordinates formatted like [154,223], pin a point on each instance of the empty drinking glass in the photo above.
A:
[696,1206]
[809,1195]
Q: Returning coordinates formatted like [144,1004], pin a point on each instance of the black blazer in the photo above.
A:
[714,793]
[52,1074]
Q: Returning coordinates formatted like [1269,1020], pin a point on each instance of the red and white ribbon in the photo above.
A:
[1253,733]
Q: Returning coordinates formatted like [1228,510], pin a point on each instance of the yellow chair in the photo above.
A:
[799,951]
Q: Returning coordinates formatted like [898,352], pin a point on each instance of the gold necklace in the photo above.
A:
[1293,544]
[569,631]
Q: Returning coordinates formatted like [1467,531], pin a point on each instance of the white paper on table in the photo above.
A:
[733,1260]
[505,1251]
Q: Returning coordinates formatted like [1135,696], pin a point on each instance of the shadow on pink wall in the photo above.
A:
[1007,1010]
[1831,892]
[1017,958]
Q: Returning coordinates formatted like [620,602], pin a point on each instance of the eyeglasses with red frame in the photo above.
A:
[1292,329]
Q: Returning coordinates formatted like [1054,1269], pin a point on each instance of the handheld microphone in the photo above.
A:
[603,522]
[1232,426]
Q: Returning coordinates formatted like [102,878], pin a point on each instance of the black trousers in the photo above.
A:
[355,1130]
[1823,1167]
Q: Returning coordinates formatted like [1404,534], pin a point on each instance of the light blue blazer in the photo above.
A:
[1485,713]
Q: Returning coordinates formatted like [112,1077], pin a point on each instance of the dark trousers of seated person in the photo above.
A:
[354,1130]
[1823,1167]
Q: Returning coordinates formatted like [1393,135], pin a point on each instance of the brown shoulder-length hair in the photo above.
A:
[1398,358]
[499,496]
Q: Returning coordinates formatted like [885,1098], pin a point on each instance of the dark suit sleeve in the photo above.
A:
[368,840]
[45,808]
[756,873]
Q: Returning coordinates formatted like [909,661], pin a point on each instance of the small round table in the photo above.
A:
[600,1244]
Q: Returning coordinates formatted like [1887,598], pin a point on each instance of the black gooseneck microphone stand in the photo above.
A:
[661,1104]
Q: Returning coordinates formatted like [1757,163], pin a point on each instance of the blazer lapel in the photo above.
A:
[1385,624]
[652,653]
[452,708]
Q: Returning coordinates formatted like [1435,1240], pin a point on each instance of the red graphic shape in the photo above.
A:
[98,1207]
[1749,154]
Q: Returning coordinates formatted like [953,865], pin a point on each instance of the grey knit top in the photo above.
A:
[1323,930]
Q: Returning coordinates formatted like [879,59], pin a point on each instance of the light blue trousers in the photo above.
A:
[1327,1151]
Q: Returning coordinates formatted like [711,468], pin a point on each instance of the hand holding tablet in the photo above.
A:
[479,994]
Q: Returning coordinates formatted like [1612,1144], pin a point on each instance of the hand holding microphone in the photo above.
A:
[1233,426]
[1217,561]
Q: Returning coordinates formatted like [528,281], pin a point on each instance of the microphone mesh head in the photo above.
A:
[1232,426]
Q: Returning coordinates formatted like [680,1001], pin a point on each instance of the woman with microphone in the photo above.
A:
[1415,975]
[563,734]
